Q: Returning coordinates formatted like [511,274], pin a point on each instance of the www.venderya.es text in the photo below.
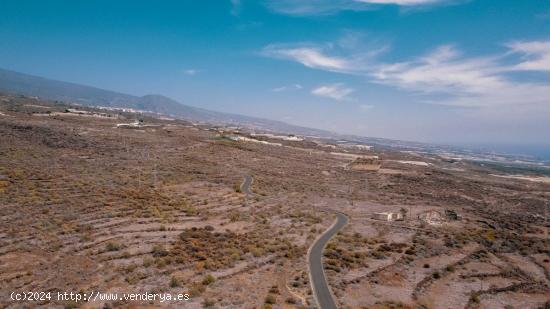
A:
[96,296]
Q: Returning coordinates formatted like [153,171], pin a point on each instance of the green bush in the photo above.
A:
[159,251]
[208,279]
[112,246]
[290,300]
[270,299]
[207,303]
[174,282]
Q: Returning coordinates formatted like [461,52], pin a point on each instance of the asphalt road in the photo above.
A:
[245,187]
[319,282]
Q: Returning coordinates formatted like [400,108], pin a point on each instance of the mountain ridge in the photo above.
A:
[68,92]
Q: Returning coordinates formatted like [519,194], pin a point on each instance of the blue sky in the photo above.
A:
[455,72]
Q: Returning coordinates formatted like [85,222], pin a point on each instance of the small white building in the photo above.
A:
[387,216]
[134,124]
[293,138]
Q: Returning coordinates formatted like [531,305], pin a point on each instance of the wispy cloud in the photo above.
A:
[365,107]
[312,57]
[317,56]
[535,55]
[338,92]
[191,72]
[313,7]
[479,81]
[440,71]
[286,88]
[329,7]
[402,2]
[444,75]
[236,7]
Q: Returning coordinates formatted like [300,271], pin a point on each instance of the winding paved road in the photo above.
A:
[319,283]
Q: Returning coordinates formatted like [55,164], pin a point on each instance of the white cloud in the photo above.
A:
[312,57]
[328,56]
[289,87]
[441,71]
[445,76]
[365,107]
[402,2]
[328,7]
[336,92]
[535,55]
[191,72]
[236,7]
[313,7]
[481,81]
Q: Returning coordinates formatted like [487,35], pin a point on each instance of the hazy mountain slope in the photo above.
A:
[15,82]
[20,83]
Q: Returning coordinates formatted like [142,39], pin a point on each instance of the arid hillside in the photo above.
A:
[112,201]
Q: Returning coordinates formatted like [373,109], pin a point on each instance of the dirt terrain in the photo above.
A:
[96,200]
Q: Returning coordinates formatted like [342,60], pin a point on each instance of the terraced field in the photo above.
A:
[87,205]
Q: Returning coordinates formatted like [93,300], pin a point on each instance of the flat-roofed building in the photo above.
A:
[387,216]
